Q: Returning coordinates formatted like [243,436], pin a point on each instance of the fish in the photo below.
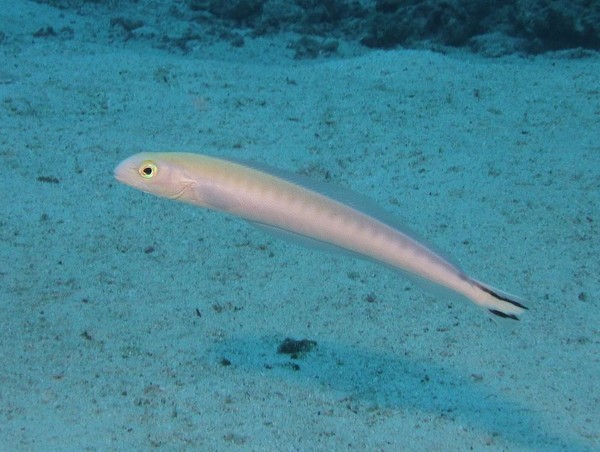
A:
[293,207]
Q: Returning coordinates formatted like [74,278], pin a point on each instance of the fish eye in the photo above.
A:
[148,170]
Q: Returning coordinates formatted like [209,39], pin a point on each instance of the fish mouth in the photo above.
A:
[122,170]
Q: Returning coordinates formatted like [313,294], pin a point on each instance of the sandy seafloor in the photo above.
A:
[101,345]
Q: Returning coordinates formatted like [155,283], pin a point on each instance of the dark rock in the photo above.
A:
[45,33]
[306,47]
[241,12]
[295,348]
[490,27]
[496,44]
[450,22]
[554,25]
[127,24]
[388,6]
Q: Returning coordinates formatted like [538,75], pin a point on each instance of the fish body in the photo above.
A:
[281,203]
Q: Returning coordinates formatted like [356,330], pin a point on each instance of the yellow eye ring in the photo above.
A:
[148,170]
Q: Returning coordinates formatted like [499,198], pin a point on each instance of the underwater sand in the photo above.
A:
[130,322]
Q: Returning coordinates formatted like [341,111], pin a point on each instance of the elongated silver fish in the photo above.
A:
[283,204]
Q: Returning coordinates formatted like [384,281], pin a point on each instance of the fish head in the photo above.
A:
[155,173]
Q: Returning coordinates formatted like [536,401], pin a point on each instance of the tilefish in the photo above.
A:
[313,214]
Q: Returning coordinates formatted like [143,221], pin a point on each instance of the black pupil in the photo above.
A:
[147,171]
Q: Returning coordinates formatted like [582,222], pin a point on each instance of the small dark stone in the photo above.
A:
[295,347]
[306,47]
[127,24]
[44,32]
[48,179]
[371,298]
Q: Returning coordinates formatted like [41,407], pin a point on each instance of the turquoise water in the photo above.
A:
[133,322]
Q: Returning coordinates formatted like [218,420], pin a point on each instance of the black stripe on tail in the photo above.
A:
[501,297]
[504,315]
[504,298]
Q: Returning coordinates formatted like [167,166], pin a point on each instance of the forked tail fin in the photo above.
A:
[500,303]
